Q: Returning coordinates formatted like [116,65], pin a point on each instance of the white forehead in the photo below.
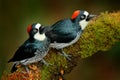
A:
[86,13]
[37,25]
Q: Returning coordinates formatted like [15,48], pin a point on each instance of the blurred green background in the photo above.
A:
[16,15]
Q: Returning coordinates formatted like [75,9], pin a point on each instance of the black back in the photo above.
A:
[25,51]
[63,31]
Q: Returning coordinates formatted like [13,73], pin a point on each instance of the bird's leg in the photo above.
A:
[43,61]
[26,68]
[64,54]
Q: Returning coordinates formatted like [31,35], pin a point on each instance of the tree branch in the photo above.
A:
[100,35]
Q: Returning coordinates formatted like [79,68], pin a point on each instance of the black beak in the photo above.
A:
[90,17]
[41,29]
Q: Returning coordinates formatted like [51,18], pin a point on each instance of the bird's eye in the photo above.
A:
[82,17]
[35,30]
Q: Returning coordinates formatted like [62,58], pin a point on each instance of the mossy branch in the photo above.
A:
[100,35]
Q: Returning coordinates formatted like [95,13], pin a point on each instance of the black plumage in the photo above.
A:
[66,32]
[27,50]
[34,49]
[63,31]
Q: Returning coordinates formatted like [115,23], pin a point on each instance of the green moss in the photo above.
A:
[100,35]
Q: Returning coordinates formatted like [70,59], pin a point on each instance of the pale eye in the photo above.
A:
[35,30]
[82,17]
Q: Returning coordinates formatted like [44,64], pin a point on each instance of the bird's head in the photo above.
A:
[35,31]
[82,17]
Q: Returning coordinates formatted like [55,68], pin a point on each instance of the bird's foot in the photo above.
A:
[44,62]
[26,68]
[67,56]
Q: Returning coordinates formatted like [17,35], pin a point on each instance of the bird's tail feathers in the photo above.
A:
[14,68]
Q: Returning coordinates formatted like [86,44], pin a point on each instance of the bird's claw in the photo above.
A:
[65,55]
[44,62]
[26,68]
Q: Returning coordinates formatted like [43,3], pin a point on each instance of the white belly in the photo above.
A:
[62,45]
[36,58]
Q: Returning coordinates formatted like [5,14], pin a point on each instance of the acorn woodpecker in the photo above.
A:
[34,49]
[67,31]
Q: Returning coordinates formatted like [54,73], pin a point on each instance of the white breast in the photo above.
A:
[40,37]
[83,24]
[62,45]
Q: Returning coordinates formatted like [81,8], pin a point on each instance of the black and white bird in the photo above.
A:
[34,49]
[67,31]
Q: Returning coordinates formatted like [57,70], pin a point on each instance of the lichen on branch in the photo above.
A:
[100,35]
